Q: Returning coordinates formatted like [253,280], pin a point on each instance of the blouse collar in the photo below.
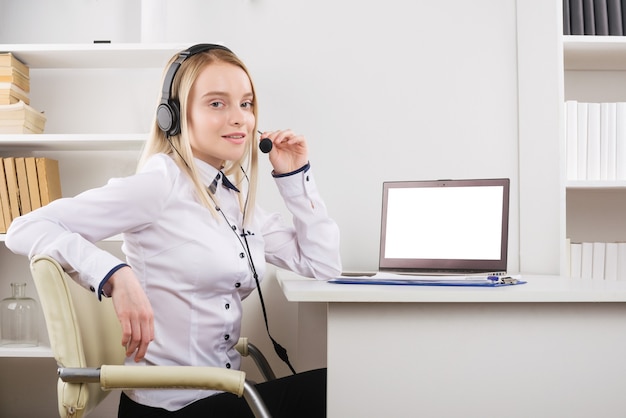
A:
[212,176]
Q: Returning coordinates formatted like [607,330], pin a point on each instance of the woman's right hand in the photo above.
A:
[134,312]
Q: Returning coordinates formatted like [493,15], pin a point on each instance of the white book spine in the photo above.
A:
[586,265]
[612,142]
[593,141]
[582,141]
[599,252]
[604,141]
[576,255]
[620,141]
[571,138]
[621,261]
[610,261]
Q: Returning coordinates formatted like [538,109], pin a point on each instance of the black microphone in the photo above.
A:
[265,145]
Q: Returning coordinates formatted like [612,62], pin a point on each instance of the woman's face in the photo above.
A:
[221,119]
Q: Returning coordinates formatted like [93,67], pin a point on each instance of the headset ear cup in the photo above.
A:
[175,109]
[167,117]
[164,117]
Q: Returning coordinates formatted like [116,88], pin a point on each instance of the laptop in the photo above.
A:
[445,227]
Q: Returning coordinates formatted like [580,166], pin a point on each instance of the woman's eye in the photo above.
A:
[216,104]
[247,105]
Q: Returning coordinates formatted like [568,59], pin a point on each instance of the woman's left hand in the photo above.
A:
[289,151]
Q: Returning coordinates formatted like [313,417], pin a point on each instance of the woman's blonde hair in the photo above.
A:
[178,146]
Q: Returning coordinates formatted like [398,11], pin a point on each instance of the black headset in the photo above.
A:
[168,112]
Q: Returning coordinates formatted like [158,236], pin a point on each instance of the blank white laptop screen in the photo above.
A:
[445,225]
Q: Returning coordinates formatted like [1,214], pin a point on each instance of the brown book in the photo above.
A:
[19,127]
[33,182]
[10,93]
[8,99]
[10,114]
[14,191]
[4,200]
[3,227]
[49,179]
[7,59]
[22,185]
[13,76]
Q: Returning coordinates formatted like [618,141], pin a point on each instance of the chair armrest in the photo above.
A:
[242,346]
[153,377]
[246,349]
[169,377]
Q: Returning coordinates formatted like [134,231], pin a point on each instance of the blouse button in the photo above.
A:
[241,255]
[227,306]
[228,365]
[237,285]
[226,337]
[234,227]
[92,288]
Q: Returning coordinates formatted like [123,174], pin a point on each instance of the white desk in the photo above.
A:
[554,347]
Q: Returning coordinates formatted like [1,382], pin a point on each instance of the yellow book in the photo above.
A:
[49,179]
[33,182]
[7,59]
[22,111]
[5,210]
[3,227]
[8,99]
[4,197]
[10,93]
[14,192]
[15,77]
[22,185]
[19,127]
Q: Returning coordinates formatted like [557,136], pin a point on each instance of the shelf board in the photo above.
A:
[594,53]
[72,142]
[39,351]
[114,55]
[596,185]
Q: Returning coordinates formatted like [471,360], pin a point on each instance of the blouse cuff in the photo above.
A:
[104,289]
[304,168]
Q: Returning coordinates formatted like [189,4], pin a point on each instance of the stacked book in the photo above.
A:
[598,260]
[594,17]
[16,114]
[595,140]
[26,183]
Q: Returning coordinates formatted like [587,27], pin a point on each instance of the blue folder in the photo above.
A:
[470,281]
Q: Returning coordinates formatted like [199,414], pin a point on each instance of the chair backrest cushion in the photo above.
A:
[83,332]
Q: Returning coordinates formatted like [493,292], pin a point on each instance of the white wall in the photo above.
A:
[384,91]
[392,90]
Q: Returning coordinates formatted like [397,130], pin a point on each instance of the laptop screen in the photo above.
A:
[445,225]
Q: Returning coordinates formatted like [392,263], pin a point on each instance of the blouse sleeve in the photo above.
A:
[311,246]
[66,229]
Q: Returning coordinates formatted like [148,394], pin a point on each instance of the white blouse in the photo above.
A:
[194,267]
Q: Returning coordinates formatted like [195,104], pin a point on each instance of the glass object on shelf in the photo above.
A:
[18,315]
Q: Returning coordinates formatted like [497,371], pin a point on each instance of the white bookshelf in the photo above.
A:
[595,185]
[72,142]
[95,134]
[594,70]
[42,351]
[94,56]
[604,53]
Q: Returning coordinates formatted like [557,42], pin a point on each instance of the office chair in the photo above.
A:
[85,337]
